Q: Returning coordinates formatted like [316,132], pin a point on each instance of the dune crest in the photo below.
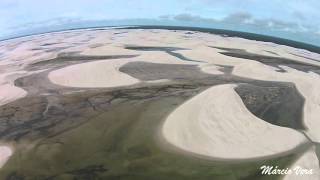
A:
[92,74]
[216,123]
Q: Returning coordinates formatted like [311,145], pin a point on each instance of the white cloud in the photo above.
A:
[244,18]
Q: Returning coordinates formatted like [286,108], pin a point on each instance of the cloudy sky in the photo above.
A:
[292,19]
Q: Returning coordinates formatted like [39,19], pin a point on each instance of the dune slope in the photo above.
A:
[216,123]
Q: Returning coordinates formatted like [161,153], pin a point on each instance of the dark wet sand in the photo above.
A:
[270,60]
[169,50]
[278,105]
[110,144]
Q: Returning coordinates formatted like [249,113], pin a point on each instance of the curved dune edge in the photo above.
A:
[105,73]
[216,123]
[93,74]
[9,93]
[307,161]
[308,84]
[5,153]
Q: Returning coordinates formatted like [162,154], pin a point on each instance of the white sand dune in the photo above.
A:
[308,161]
[5,153]
[105,73]
[307,83]
[216,123]
[93,74]
[9,93]
[108,50]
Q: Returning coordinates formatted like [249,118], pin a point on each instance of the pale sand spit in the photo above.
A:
[306,167]
[210,69]
[5,153]
[216,123]
[9,93]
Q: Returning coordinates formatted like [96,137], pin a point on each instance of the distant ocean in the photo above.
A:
[246,35]
[229,33]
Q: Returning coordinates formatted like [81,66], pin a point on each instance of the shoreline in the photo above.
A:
[247,35]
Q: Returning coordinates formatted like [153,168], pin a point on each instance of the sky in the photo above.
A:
[292,19]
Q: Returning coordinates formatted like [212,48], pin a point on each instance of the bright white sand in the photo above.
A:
[307,161]
[216,123]
[106,73]
[113,45]
[210,69]
[5,153]
[158,81]
[93,74]
[307,83]
[108,50]
[9,93]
